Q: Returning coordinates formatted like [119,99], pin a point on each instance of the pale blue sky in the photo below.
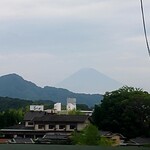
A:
[47,40]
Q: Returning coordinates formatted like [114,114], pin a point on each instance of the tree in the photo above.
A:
[90,136]
[126,110]
[83,107]
[10,117]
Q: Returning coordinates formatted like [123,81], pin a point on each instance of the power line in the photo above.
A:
[144,27]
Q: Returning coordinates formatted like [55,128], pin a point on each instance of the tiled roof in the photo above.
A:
[20,140]
[141,140]
[61,118]
[29,116]
[110,134]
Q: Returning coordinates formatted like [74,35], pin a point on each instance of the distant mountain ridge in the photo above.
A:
[13,85]
[89,80]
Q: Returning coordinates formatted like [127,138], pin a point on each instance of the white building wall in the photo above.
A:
[71,104]
[36,107]
[57,107]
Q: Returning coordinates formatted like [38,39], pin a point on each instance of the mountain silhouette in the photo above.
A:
[89,80]
[13,85]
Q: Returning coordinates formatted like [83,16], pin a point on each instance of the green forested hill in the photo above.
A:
[7,103]
[15,86]
[12,103]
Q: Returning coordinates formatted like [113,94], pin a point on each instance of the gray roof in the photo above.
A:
[141,140]
[61,118]
[20,140]
[29,116]
[56,136]
[110,134]
[104,133]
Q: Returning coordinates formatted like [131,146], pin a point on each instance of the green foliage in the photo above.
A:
[82,107]
[74,112]
[12,110]
[89,136]
[14,86]
[11,117]
[126,111]
[105,141]
[12,103]
[146,145]
[7,103]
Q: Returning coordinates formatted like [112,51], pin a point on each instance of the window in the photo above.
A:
[62,126]
[30,123]
[73,126]
[51,126]
[41,126]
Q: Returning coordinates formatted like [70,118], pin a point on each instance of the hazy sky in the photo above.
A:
[45,41]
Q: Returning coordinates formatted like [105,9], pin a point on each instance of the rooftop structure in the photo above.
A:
[36,107]
[71,104]
[57,107]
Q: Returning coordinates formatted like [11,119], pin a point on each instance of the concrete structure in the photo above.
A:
[36,107]
[87,112]
[71,104]
[57,107]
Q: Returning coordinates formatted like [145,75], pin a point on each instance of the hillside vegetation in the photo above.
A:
[7,103]
[126,111]
[15,86]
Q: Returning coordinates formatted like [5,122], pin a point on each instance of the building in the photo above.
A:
[117,138]
[38,123]
[57,107]
[36,107]
[49,126]
[140,141]
[71,104]
[54,122]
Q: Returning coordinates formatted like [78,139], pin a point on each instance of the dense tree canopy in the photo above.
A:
[126,111]
[90,136]
[11,117]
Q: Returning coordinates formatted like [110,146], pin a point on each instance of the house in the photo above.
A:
[19,140]
[117,138]
[29,116]
[43,121]
[141,141]
[3,140]
[38,123]
[54,138]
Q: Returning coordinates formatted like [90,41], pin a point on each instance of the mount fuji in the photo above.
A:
[89,80]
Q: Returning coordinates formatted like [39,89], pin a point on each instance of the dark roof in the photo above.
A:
[29,116]
[19,126]
[141,140]
[61,118]
[110,134]
[55,136]
[105,133]
[20,140]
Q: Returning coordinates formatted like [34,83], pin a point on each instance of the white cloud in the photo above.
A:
[25,9]
[47,40]
[37,67]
